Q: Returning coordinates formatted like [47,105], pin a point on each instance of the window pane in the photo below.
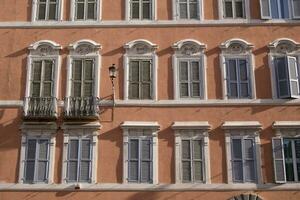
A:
[88,69]
[134,148]
[43,149]
[42,11]
[52,11]
[198,171]
[146,91]
[134,91]
[284,5]
[237,171]
[146,10]
[186,171]
[249,149]
[80,11]
[228,9]
[47,89]
[29,171]
[146,71]
[288,154]
[135,11]
[296,6]
[193,11]
[239,10]
[186,154]
[77,70]
[84,171]
[91,11]
[183,76]
[184,90]
[73,149]
[236,149]
[196,89]
[134,71]
[183,11]
[232,70]
[283,88]
[197,149]
[77,89]
[243,70]
[274,9]
[88,89]
[72,171]
[249,171]
[195,71]
[31,148]
[37,70]
[86,149]
[35,89]
[48,70]
[42,171]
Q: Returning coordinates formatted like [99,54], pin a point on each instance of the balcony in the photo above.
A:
[40,108]
[81,107]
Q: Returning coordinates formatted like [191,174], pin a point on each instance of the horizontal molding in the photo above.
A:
[176,103]
[150,187]
[158,23]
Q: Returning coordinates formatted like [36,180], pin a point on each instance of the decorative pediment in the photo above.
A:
[284,46]
[246,196]
[84,47]
[236,46]
[189,47]
[44,48]
[140,47]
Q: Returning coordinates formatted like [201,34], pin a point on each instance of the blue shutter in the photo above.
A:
[244,79]
[265,9]
[278,157]
[133,160]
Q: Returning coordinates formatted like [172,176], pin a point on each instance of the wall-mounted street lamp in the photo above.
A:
[112,75]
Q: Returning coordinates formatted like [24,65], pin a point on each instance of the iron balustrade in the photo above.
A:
[81,107]
[40,107]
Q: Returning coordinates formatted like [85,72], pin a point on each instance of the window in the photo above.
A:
[191,152]
[284,65]
[286,151]
[85,9]
[234,9]
[42,76]
[189,70]
[187,9]
[140,63]
[141,10]
[279,9]
[37,152]
[140,152]
[46,10]
[80,152]
[237,69]
[83,80]
[243,151]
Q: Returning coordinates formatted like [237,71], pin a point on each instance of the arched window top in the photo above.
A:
[84,47]
[246,196]
[189,47]
[284,46]
[140,46]
[44,47]
[236,46]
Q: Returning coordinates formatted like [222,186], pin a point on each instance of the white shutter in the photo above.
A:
[278,158]
[296,9]
[293,76]
[265,9]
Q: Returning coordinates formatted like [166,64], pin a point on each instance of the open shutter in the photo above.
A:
[278,157]
[146,161]
[296,9]
[265,9]
[293,76]
[85,163]
[43,161]
[282,77]
[133,161]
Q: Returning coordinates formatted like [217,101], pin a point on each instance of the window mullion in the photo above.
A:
[139,161]
[189,79]
[85,9]
[188,9]
[78,160]
[47,9]
[191,159]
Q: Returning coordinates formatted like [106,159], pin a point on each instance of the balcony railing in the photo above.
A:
[81,107]
[40,107]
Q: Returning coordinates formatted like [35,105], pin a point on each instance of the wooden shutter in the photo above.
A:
[265,9]
[43,160]
[88,78]
[237,160]
[232,81]
[296,9]
[194,9]
[73,160]
[30,161]
[36,79]
[77,78]
[48,78]
[183,9]
[53,8]
[244,79]
[146,79]
[184,78]
[133,160]
[249,163]
[278,158]
[85,163]
[146,161]
[134,79]
[91,9]
[186,161]
[198,160]
[41,10]
[293,76]
[282,77]
[196,75]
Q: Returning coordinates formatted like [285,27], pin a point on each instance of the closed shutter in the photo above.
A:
[194,9]
[146,161]
[48,78]
[244,78]
[278,157]
[133,160]
[197,160]
[184,78]
[183,9]
[146,9]
[134,80]
[135,9]
[265,9]
[91,9]
[73,160]
[88,77]
[232,81]
[42,10]
[80,9]
[85,163]
[43,161]
[146,79]
[196,80]
[186,161]
[53,8]
[77,78]
[296,8]
[36,79]
[237,160]
[30,161]
[282,77]
[249,165]
[239,9]
[293,76]
[228,10]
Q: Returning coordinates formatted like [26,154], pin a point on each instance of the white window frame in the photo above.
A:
[43,50]
[176,11]
[98,11]
[192,50]
[34,12]
[140,49]
[246,10]
[279,48]
[237,49]
[239,129]
[192,130]
[286,129]
[128,12]
[135,129]
[75,130]
[38,130]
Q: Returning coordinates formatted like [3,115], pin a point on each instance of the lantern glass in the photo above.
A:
[112,71]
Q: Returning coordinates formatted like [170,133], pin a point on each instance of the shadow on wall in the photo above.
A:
[29,10]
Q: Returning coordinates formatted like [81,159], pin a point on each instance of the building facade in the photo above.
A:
[204,103]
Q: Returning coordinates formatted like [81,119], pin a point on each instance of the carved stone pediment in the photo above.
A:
[189,47]
[141,49]
[44,50]
[84,49]
[284,46]
[236,46]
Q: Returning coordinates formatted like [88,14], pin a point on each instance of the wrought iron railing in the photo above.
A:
[81,107]
[40,107]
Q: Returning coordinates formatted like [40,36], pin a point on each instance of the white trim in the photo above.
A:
[243,129]
[34,11]
[176,11]
[192,130]
[140,49]
[152,129]
[98,11]
[73,129]
[153,12]
[247,12]
[45,130]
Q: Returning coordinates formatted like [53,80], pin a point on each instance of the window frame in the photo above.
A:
[176,11]
[237,49]
[153,13]
[247,13]
[140,50]
[192,130]
[270,17]
[243,129]
[35,11]
[140,129]
[38,131]
[73,130]
[98,12]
